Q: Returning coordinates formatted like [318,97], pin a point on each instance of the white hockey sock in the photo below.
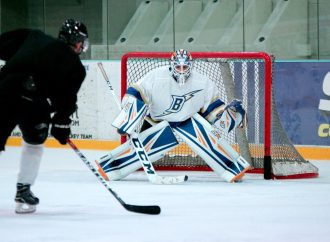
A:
[29,163]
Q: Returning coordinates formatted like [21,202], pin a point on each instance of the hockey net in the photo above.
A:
[243,75]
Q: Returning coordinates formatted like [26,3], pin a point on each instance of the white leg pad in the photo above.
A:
[123,160]
[215,151]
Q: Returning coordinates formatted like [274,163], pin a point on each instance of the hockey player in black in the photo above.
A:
[38,90]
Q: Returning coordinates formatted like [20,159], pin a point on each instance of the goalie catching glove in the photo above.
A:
[233,115]
[61,128]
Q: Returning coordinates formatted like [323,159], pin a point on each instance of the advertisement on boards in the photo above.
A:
[302,94]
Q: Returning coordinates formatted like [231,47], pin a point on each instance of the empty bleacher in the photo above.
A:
[280,27]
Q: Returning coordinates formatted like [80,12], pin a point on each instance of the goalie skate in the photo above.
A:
[25,200]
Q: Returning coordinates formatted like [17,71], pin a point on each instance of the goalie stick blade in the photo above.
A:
[152,209]
[168,180]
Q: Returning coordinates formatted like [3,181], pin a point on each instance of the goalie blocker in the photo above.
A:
[197,132]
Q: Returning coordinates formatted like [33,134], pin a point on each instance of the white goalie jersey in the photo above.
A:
[167,100]
[183,103]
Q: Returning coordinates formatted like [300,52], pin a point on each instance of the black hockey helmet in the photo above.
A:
[73,32]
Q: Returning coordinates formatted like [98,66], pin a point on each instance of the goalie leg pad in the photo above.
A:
[123,160]
[216,152]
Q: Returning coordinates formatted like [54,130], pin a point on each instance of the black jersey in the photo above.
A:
[55,68]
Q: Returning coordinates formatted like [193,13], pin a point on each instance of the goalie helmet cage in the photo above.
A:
[243,75]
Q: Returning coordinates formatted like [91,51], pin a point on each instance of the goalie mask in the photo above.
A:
[73,32]
[181,65]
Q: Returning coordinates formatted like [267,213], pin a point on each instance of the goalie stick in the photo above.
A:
[147,209]
[104,74]
[148,168]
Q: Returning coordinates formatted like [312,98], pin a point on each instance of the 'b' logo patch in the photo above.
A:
[178,102]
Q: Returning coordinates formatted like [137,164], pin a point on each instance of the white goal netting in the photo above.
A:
[246,76]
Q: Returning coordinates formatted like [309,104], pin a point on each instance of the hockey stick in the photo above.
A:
[148,168]
[148,209]
[105,76]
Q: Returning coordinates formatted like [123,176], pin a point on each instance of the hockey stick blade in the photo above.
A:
[151,209]
[167,180]
[145,209]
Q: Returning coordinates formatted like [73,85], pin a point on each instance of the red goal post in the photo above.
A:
[243,75]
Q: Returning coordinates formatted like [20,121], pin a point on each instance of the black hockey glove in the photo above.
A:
[61,128]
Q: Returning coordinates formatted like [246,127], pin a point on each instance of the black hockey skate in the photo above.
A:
[25,200]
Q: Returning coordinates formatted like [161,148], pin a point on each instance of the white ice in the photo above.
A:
[76,207]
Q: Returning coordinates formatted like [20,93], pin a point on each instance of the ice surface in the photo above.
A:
[76,207]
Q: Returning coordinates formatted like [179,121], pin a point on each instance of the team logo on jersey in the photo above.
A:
[178,102]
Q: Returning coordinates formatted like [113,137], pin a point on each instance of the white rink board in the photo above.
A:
[97,106]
